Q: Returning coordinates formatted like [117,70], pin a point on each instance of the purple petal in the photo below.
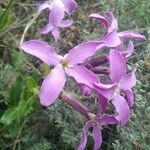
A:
[56,14]
[106,90]
[70,5]
[128,81]
[56,34]
[84,136]
[41,50]
[86,90]
[113,22]
[102,101]
[52,86]
[129,50]
[111,39]
[122,108]
[130,97]
[66,23]
[131,35]
[108,119]
[49,27]
[82,51]
[97,136]
[43,6]
[117,66]
[83,76]
[102,19]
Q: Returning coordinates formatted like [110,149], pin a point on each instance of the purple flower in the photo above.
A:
[120,89]
[58,8]
[96,124]
[55,81]
[111,24]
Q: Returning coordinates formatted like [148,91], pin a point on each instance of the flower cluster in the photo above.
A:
[117,90]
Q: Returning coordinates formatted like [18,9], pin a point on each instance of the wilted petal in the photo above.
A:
[66,23]
[106,90]
[41,50]
[108,119]
[43,6]
[111,39]
[49,27]
[52,86]
[131,35]
[128,81]
[83,76]
[82,51]
[117,66]
[113,22]
[84,136]
[122,108]
[97,136]
[102,19]
[56,34]
[70,5]
[102,101]
[129,50]
[57,13]
[130,97]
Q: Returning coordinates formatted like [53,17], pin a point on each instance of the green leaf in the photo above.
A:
[16,91]
[8,116]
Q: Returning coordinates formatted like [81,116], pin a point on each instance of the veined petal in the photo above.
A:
[113,22]
[66,23]
[111,39]
[102,101]
[129,50]
[97,136]
[117,66]
[130,97]
[131,35]
[43,6]
[41,50]
[83,76]
[128,81]
[52,86]
[108,119]
[82,51]
[57,13]
[122,108]
[56,34]
[49,27]
[84,136]
[106,90]
[70,5]
[102,19]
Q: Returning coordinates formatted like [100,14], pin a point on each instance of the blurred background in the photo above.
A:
[24,123]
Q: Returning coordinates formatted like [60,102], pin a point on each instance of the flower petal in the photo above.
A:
[113,22]
[43,6]
[128,81]
[102,19]
[52,86]
[129,50]
[70,5]
[131,35]
[84,136]
[86,90]
[41,50]
[106,90]
[83,76]
[108,119]
[82,51]
[130,97]
[102,101]
[49,27]
[57,13]
[66,23]
[122,108]
[97,136]
[56,34]
[117,66]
